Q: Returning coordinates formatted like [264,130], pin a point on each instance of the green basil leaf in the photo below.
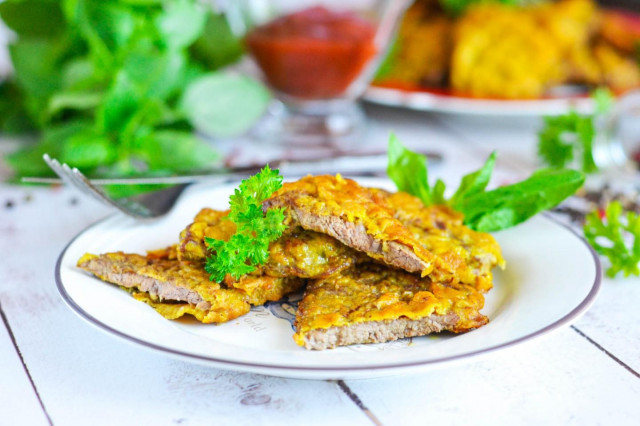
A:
[73,100]
[121,102]
[124,191]
[217,46]
[408,171]
[181,23]
[33,18]
[175,150]
[79,74]
[475,182]
[513,204]
[104,23]
[28,161]
[222,105]
[87,150]
[35,62]
[437,194]
[155,72]
[13,116]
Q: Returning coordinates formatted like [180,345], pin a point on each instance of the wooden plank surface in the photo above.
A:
[613,322]
[19,403]
[79,371]
[562,379]
[581,375]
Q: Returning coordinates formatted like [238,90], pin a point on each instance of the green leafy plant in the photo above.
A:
[616,235]
[483,210]
[457,7]
[569,137]
[109,85]
[255,229]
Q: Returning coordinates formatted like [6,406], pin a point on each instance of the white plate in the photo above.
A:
[430,101]
[552,277]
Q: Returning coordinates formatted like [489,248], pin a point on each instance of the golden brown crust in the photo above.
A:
[354,215]
[348,303]
[496,50]
[396,229]
[350,299]
[298,253]
[467,256]
[175,288]
[207,223]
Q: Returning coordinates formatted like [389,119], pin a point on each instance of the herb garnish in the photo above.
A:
[457,7]
[255,229]
[483,210]
[617,238]
[116,88]
[570,136]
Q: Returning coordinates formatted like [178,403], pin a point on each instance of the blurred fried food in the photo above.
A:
[506,51]
[425,46]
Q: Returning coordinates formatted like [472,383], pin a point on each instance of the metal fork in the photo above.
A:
[145,206]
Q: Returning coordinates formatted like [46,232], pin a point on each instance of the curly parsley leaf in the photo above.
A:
[616,236]
[569,137]
[255,229]
[483,210]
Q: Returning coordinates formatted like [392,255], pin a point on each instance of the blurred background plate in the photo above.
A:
[425,100]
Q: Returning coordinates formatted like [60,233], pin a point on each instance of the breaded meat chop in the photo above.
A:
[356,217]
[469,255]
[176,288]
[374,304]
[403,233]
[207,223]
[298,253]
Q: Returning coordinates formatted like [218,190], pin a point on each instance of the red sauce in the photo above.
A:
[314,53]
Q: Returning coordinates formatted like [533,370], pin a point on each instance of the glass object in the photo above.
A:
[617,142]
[318,57]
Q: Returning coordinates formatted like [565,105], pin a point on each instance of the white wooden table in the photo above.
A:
[55,368]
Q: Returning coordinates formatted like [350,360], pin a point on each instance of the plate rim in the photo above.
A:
[450,104]
[566,319]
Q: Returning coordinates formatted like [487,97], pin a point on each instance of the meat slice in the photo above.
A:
[298,253]
[468,256]
[355,216]
[374,303]
[176,288]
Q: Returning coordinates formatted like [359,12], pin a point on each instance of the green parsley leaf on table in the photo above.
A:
[616,236]
[569,138]
[255,229]
[483,210]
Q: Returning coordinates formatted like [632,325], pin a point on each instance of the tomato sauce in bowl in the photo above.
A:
[315,53]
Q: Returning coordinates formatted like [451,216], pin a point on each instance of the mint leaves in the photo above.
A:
[483,210]
[117,87]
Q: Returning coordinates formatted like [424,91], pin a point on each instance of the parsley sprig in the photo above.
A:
[569,137]
[616,236]
[255,229]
